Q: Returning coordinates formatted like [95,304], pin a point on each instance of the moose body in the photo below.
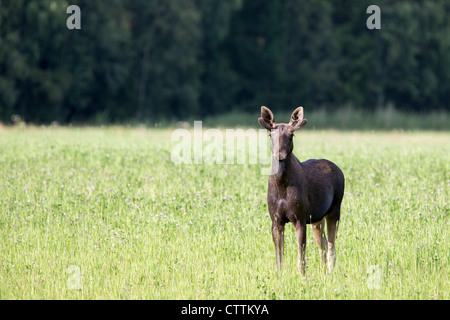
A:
[302,193]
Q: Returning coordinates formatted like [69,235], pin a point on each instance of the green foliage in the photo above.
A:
[146,61]
[167,70]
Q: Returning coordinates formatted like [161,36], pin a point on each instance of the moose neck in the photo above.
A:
[282,169]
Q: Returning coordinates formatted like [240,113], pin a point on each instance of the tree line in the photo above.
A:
[141,60]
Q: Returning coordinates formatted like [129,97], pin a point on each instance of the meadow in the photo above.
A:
[103,213]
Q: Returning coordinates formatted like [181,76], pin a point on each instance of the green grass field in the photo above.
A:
[103,213]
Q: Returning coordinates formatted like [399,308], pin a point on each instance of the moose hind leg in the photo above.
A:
[332,227]
[321,240]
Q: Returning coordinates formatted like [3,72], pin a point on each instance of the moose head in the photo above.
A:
[281,134]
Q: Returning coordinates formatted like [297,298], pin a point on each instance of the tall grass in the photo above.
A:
[111,202]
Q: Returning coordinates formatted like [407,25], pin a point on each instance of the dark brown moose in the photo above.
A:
[302,193]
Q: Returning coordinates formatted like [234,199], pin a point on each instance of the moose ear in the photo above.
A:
[266,119]
[297,120]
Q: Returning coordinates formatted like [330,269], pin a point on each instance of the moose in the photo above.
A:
[302,193]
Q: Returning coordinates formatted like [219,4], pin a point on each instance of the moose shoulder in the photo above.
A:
[302,193]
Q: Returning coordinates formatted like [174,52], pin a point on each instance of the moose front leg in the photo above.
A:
[278,240]
[300,232]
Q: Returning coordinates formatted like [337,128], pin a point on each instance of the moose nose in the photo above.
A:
[281,158]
